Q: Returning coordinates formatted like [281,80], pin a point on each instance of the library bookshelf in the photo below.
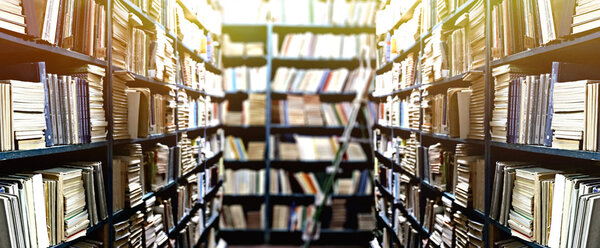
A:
[17,48]
[573,48]
[268,235]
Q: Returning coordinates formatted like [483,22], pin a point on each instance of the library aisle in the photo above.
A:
[287,123]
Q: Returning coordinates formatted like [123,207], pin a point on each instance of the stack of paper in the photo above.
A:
[122,234]
[461,231]
[121,35]
[6,123]
[183,110]
[135,230]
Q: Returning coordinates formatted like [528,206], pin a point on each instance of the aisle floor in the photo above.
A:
[288,246]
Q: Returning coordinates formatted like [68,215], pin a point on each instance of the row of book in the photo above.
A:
[75,25]
[293,218]
[245,79]
[535,24]
[325,46]
[557,109]
[309,110]
[242,49]
[310,12]
[402,75]
[196,76]
[251,182]
[51,109]
[146,52]
[148,228]
[51,206]
[556,209]
[321,80]
[298,147]
[250,111]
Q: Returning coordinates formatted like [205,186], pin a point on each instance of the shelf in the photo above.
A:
[326,237]
[282,29]
[414,222]
[182,223]
[443,137]
[53,150]
[253,165]
[384,192]
[245,131]
[212,222]
[507,230]
[395,166]
[243,236]
[191,91]
[154,138]
[387,224]
[213,129]
[308,130]
[307,199]
[403,91]
[159,191]
[312,63]
[253,199]
[577,154]
[323,96]
[293,166]
[190,16]
[406,15]
[577,49]
[213,191]
[251,61]
[89,231]
[18,48]
[194,55]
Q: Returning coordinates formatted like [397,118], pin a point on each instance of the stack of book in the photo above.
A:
[135,229]
[252,79]
[254,110]
[325,46]
[571,103]
[526,218]
[461,230]
[409,161]
[458,46]
[187,161]
[154,233]
[426,110]
[137,56]
[68,218]
[469,177]
[414,109]
[121,35]
[16,18]
[504,178]
[475,233]
[162,57]
[120,108]
[443,228]
[441,167]
[477,105]
[121,233]
[25,116]
[503,75]
[127,180]
[476,36]
[30,224]
[183,110]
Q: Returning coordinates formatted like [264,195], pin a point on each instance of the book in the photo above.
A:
[325,46]
[250,79]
